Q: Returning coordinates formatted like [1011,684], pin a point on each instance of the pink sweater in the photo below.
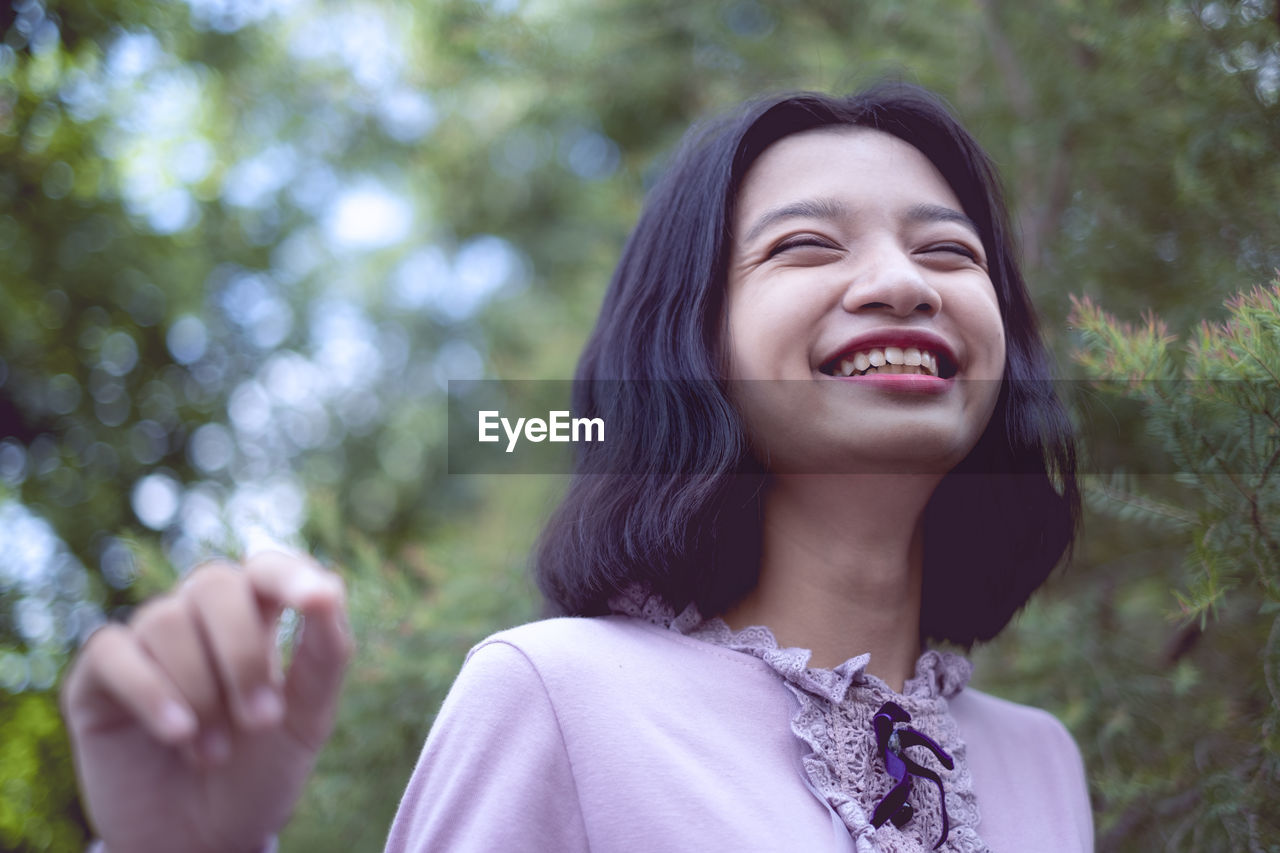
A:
[616,734]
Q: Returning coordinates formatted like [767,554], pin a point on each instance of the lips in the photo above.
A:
[884,347]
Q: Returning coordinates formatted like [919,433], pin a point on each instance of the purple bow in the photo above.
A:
[891,743]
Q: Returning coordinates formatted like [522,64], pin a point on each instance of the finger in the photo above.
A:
[325,646]
[315,675]
[296,581]
[166,629]
[115,682]
[240,642]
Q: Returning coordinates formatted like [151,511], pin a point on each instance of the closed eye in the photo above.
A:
[952,248]
[800,241]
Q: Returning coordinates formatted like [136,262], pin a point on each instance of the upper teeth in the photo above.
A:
[889,360]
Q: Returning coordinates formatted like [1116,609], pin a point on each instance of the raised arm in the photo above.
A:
[185,732]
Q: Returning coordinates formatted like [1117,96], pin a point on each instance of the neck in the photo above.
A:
[841,569]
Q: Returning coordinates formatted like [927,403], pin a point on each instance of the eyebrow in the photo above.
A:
[938,213]
[826,208]
[821,208]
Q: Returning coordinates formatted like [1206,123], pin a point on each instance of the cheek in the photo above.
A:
[734,333]
[751,344]
[769,335]
[999,361]
[992,331]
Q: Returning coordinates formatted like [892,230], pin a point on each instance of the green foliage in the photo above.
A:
[1202,777]
[38,810]
[1221,425]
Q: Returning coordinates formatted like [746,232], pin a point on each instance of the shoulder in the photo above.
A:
[601,649]
[1015,731]
[573,648]
[553,638]
[598,674]
[982,710]
[496,748]
[1024,762]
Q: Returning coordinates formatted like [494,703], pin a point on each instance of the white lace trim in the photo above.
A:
[833,719]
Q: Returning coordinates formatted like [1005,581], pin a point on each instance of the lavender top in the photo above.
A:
[650,731]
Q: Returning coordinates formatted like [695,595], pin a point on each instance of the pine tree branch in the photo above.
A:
[1261,362]
[1148,505]
[1255,512]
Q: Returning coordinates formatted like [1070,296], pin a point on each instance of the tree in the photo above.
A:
[1202,777]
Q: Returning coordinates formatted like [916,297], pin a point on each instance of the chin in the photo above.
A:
[909,447]
[906,457]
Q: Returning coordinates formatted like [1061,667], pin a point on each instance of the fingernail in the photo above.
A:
[264,707]
[176,721]
[215,746]
[309,583]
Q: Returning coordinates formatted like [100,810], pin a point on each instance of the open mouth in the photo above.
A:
[890,360]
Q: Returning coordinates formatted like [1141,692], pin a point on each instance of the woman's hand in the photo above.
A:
[186,734]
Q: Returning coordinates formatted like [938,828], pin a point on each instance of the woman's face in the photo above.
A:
[859,309]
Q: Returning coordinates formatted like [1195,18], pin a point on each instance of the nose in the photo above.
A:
[889,280]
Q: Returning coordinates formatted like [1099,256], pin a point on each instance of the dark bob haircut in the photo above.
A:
[996,525]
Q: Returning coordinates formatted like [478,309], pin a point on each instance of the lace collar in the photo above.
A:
[937,675]
[834,719]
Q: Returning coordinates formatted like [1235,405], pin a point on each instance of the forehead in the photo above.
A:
[854,164]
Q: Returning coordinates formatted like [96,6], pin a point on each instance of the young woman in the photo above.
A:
[840,447]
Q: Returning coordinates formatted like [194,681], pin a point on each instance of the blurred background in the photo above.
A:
[245,243]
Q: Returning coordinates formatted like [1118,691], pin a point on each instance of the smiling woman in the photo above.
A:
[873,261]
[869,464]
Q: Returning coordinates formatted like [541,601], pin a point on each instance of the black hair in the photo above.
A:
[681,520]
